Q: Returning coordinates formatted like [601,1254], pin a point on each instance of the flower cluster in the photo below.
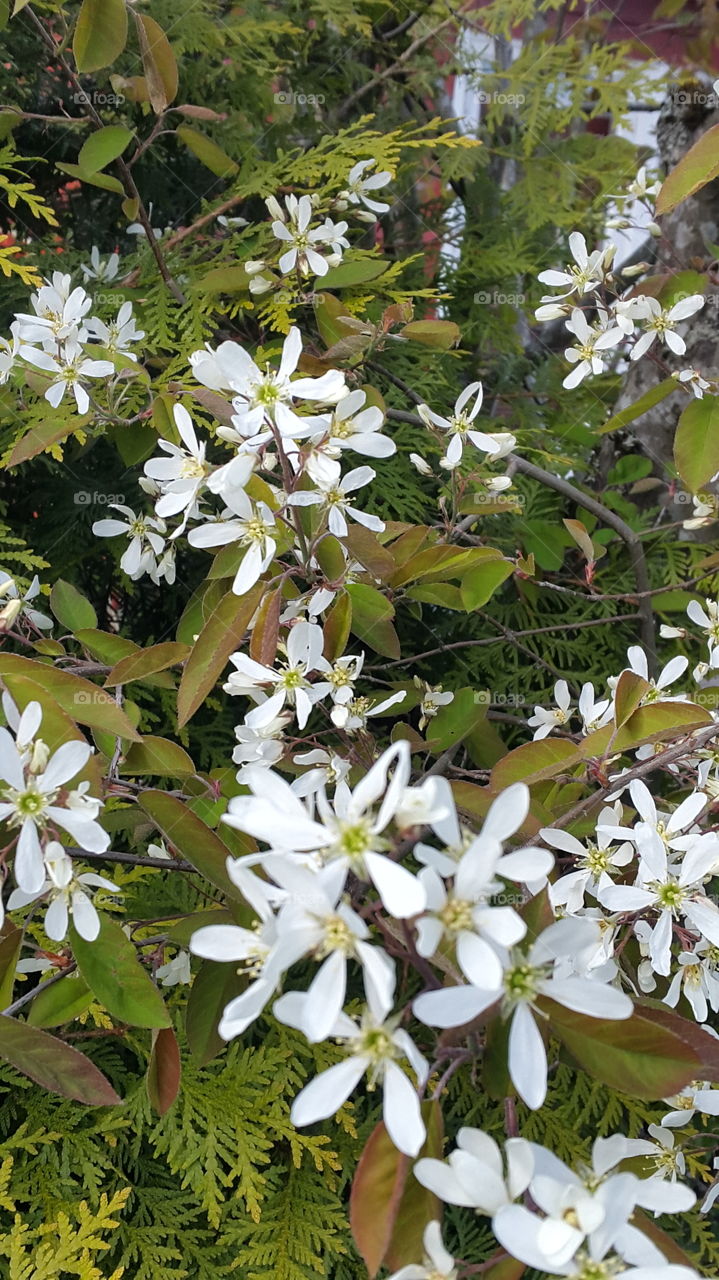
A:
[36,804]
[59,337]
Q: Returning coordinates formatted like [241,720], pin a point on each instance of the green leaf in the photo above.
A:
[158,756]
[359,271]
[54,1065]
[223,280]
[213,988]
[637,1056]
[480,584]
[699,166]
[81,699]
[629,692]
[112,970]
[212,156]
[364,545]
[418,1206]
[42,437]
[221,635]
[70,607]
[696,443]
[371,619]
[60,1003]
[164,1070]
[389,1209]
[331,558]
[266,628]
[100,34]
[103,180]
[535,762]
[444,594]
[439,334]
[337,627]
[192,838]
[445,561]
[158,62]
[10,944]
[329,314]
[102,147]
[145,662]
[460,717]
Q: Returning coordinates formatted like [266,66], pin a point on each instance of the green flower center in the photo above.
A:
[456,916]
[338,937]
[595,860]
[670,895]
[292,678]
[520,983]
[355,839]
[30,803]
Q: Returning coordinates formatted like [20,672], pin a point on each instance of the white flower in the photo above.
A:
[259,950]
[250,525]
[314,921]
[375,1046]
[526,978]
[328,769]
[68,372]
[293,229]
[181,476]
[704,513]
[459,427]
[595,862]
[353,715]
[30,797]
[583,275]
[341,676]
[358,186]
[694,380]
[67,895]
[353,426]
[587,356]
[438,1264]
[642,186]
[594,714]
[290,684]
[332,494]
[120,333]
[697,979]
[673,890]
[265,399]
[588,1214]
[707,618]
[547,718]
[146,540]
[332,234]
[672,671]
[696,1097]
[19,605]
[260,744]
[58,317]
[465,914]
[474,1174]
[349,829]
[659,323]
[9,352]
[420,464]
[175,972]
[101,268]
[433,697]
